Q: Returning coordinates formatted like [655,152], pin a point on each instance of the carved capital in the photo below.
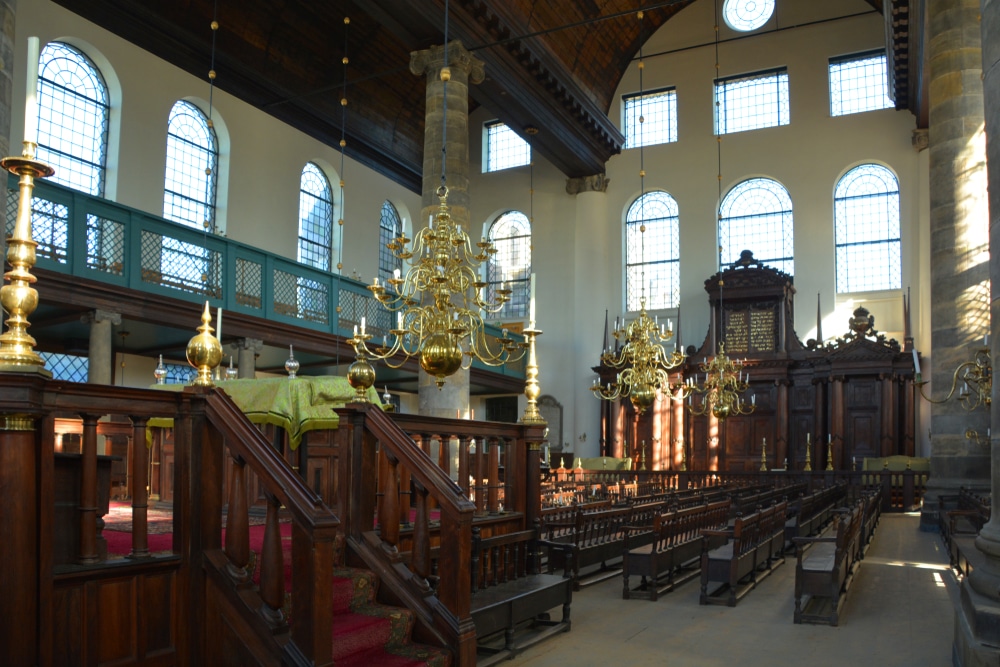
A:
[593,183]
[430,61]
[920,139]
[99,315]
[254,344]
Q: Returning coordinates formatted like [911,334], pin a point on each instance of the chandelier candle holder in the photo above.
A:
[725,383]
[972,379]
[361,374]
[440,302]
[642,362]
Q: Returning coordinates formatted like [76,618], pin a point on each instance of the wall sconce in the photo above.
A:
[975,376]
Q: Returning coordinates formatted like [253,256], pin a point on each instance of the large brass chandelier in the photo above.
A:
[440,303]
[642,362]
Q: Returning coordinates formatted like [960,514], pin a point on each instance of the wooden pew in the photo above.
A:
[960,520]
[509,591]
[824,572]
[810,513]
[741,562]
[675,542]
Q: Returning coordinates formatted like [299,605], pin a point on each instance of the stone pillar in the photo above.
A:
[958,233]
[592,293]
[453,398]
[101,351]
[246,350]
[977,618]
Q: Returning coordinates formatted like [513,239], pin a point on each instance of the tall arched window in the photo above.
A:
[390,227]
[866,220]
[756,215]
[192,166]
[315,218]
[73,113]
[652,259]
[511,235]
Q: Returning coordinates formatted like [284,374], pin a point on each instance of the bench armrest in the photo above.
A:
[566,548]
[638,529]
[710,532]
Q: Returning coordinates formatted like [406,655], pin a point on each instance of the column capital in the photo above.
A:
[593,183]
[920,139]
[254,344]
[430,61]
[98,315]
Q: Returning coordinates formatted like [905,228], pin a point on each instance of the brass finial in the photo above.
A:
[204,352]
[809,465]
[763,455]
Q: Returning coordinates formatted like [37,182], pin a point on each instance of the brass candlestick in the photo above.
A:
[684,466]
[204,351]
[763,455]
[829,455]
[19,298]
[809,465]
[360,374]
[531,389]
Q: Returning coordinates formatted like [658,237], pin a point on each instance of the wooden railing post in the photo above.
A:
[388,518]
[272,567]
[463,465]
[421,539]
[140,494]
[88,491]
[238,522]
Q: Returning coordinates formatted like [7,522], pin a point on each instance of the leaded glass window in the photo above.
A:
[652,259]
[192,165]
[315,218]
[390,227]
[859,83]
[866,219]
[756,215]
[751,101]
[504,148]
[511,265]
[650,118]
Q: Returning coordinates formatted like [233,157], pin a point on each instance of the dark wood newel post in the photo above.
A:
[533,476]
[88,492]
[139,488]
[359,488]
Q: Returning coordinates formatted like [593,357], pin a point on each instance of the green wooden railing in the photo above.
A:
[94,238]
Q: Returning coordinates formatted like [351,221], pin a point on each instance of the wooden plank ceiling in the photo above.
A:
[551,64]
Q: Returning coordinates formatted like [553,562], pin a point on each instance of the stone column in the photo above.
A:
[465,68]
[977,622]
[592,293]
[101,352]
[958,233]
[247,349]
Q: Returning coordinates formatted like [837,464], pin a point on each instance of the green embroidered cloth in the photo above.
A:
[298,405]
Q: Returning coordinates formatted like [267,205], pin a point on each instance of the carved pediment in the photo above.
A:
[749,272]
[863,341]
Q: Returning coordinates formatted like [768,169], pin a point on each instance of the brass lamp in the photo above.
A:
[725,382]
[976,377]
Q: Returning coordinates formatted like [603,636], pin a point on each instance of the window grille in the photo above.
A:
[751,101]
[390,227]
[511,235]
[747,15]
[192,166]
[315,218]
[658,110]
[655,255]
[866,219]
[859,83]
[756,215]
[69,367]
[504,149]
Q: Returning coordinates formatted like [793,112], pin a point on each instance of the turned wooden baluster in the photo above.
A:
[140,494]
[463,465]
[493,497]
[421,539]
[381,471]
[481,446]
[238,523]
[88,491]
[388,518]
[272,566]
[404,496]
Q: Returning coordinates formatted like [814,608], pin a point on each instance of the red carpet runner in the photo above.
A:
[365,632]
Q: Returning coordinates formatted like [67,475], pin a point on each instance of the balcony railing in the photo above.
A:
[94,238]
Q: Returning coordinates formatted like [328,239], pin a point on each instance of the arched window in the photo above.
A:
[315,218]
[511,235]
[652,259]
[192,166]
[866,220]
[756,215]
[73,113]
[390,227]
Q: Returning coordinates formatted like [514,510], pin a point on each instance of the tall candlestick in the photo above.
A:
[218,324]
[531,302]
[31,93]
[916,364]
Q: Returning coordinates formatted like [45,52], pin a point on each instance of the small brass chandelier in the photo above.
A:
[725,383]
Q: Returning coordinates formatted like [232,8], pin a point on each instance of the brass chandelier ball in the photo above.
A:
[720,411]
[642,396]
[441,356]
[361,376]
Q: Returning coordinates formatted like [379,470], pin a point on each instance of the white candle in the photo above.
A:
[916,363]
[829,438]
[218,324]
[363,318]
[395,274]
[31,96]
[399,320]
[531,302]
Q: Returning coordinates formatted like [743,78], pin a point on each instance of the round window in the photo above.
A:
[747,15]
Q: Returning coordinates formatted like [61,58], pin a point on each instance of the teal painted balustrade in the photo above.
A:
[94,238]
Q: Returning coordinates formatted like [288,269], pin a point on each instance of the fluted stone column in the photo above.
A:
[977,623]
[246,357]
[100,354]
[593,285]
[465,69]
[958,232]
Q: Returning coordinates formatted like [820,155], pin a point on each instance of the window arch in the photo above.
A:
[756,215]
[390,227]
[73,118]
[192,167]
[866,223]
[510,233]
[315,217]
[652,259]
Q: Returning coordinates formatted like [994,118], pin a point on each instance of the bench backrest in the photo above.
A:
[686,525]
[747,533]
[502,558]
[601,527]
[848,531]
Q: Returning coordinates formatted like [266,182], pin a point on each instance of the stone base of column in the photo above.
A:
[977,628]
[451,401]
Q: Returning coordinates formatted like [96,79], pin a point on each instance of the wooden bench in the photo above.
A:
[510,593]
[824,572]
[746,557]
[960,518]
[675,542]
[810,513]
[596,539]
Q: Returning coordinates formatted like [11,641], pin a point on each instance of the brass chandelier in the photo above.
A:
[439,303]
[976,376]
